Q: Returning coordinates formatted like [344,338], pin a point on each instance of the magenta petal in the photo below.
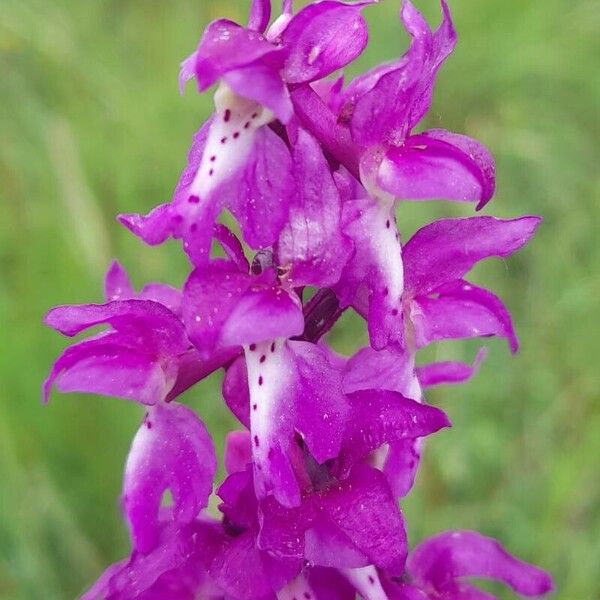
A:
[117,285]
[322,408]
[235,391]
[318,118]
[260,196]
[311,243]
[325,545]
[401,466]
[322,38]
[460,311]
[171,451]
[380,417]
[238,569]
[386,370]
[373,280]
[157,325]
[173,569]
[153,228]
[384,104]
[226,46]
[446,250]
[238,451]
[438,165]
[224,307]
[272,377]
[260,13]
[106,367]
[263,315]
[363,508]
[449,372]
[264,85]
[438,561]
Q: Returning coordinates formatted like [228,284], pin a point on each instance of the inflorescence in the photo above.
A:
[312,170]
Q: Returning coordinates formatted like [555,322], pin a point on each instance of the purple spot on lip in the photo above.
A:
[256,441]
[149,424]
[193,199]
[395,311]
[254,406]
[254,115]
[236,135]
[246,124]
[260,380]
[211,172]
[263,358]
[223,139]
[273,347]
[371,580]
[227,116]
[386,291]
[252,347]
[213,158]
[387,224]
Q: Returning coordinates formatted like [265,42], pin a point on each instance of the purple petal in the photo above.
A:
[328,584]
[380,417]
[282,529]
[235,391]
[272,371]
[438,561]
[153,228]
[386,370]
[235,162]
[325,545]
[373,280]
[448,249]
[232,246]
[323,38]
[238,569]
[238,451]
[401,466]
[260,199]
[459,311]
[322,123]
[105,366]
[264,85]
[260,14]
[187,71]
[311,244]
[224,307]
[438,165]
[384,104]
[117,285]
[321,405]
[363,508]
[171,451]
[449,372]
[239,504]
[173,569]
[226,46]
[158,327]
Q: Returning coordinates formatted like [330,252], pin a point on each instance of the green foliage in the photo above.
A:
[91,125]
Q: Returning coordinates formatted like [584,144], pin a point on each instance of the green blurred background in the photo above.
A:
[91,124]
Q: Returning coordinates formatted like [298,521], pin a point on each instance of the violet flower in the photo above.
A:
[237,161]
[311,171]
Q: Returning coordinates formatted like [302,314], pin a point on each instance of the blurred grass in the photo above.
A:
[91,124]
